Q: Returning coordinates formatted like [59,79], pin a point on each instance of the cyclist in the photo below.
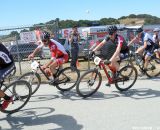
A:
[6,67]
[114,45]
[156,39]
[148,45]
[58,54]
[156,36]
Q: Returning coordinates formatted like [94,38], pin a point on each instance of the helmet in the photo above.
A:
[45,36]
[139,30]
[156,30]
[112,29]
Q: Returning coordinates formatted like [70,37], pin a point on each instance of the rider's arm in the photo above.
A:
[35,51]
[132,41]
[99,45]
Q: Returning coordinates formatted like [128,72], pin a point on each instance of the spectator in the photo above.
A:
[74,38]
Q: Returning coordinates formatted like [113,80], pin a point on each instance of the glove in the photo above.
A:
[91,54]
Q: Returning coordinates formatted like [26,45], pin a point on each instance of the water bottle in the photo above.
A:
[110,73]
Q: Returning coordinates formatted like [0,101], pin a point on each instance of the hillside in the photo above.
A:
[132,21]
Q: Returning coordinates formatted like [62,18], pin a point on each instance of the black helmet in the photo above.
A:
[139,30]
[112,29]
[45,36]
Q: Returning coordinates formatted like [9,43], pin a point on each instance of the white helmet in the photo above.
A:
[156,30]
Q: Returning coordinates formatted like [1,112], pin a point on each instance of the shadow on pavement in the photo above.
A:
[31,118]
[72,95]
[141,93]
[40,98]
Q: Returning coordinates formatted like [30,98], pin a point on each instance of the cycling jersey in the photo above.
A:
[146,37]
[6,58]
[151,46]
[110,47]
[57,50]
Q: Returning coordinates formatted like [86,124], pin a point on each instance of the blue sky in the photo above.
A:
[28,12]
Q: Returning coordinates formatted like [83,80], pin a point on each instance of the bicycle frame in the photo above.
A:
[38,66]
[101,64]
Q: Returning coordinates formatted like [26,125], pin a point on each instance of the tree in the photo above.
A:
[14,34]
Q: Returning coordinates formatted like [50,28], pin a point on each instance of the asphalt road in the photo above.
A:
[108,109]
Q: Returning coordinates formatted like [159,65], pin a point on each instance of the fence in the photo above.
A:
[21,41]
[20,49]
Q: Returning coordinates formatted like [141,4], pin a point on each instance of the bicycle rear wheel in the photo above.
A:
[67,79]
[17,90]
[126,78]
[89,83]
[153,68]
[34,79]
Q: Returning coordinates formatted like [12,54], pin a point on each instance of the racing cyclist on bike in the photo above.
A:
[58,54]
[148,46]
[6,67]
[113,44]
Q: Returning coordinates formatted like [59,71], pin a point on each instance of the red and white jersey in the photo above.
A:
[56,48]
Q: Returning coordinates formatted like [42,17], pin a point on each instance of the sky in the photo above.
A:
[29,12]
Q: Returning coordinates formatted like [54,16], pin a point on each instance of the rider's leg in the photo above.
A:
[140,51]
[157,54]
[147,58]
[7,100]
[2,94]
[53,67]
[115,64]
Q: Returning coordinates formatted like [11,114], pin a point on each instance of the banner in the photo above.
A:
[28,37]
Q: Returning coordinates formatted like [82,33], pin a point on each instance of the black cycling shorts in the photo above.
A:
[6,71]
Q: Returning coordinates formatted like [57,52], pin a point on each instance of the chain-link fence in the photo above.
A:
[16,40]
[22,41]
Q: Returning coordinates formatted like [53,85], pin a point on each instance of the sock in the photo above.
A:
[6,97]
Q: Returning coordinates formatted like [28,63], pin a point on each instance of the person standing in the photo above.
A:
[74,39]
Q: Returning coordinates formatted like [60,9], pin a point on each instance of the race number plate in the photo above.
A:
[97,60]
[34,65]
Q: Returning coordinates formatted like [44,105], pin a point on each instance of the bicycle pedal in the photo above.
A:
[126,78]
[108,84]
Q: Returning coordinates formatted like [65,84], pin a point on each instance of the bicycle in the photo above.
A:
[65,79]
[94,77]
[153,68]
[20,91]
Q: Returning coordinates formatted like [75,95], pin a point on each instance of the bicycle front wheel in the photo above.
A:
[67,79]
[89,83]
[153,68]
[126,78]
[34,79]
[17,90]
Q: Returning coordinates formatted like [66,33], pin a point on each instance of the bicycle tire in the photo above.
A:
[30,75]
[80,91]
[153,68]
[16,95]
[125,76]
[70,76]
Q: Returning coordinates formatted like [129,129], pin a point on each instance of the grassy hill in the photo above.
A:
[132,21]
